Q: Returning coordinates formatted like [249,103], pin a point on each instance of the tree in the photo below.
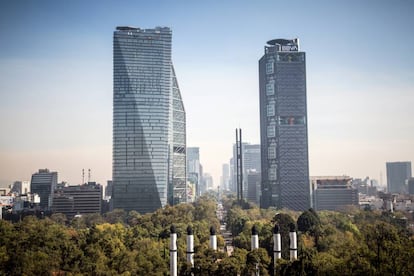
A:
[257,261]
[206,262]
[115,216]
[59,218]
[307,222]
[284,221]
[236,220]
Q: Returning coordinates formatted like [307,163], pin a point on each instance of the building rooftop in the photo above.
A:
[136,29]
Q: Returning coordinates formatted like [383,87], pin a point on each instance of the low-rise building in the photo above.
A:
[80,199]
[333,193]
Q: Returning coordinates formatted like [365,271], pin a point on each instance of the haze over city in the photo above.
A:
[56,80]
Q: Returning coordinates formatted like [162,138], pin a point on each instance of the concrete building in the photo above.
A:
[283,126]
[149,124]
[398,174]
[26,202]
[44,183]
[333,193]
[4,191]
[79,199]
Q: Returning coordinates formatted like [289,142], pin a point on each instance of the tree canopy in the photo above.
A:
[119,243]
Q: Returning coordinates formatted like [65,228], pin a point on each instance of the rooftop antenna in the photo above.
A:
[89,175]
[83,176]
[239,164]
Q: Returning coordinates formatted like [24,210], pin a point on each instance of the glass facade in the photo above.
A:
[284,134]
[148,121]
[398,174]
[44,183]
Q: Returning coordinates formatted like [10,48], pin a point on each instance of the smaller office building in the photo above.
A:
[333,193]
[78,200]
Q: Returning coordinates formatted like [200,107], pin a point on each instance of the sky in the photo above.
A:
[56,80]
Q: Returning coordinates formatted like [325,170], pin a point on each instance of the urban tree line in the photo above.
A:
[118,243]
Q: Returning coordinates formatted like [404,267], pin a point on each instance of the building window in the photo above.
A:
[270,88]
[269,67]
[272,173]
[292,120]
[270,110]
[271,131]
[271,152]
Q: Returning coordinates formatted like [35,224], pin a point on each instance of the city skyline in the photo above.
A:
[56,80]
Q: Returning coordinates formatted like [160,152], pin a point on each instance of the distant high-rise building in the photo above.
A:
[21,187]
[251,157]
[149,125]
[79,199]
[208,180]
[193,167]
[250,162]
[202,183]
[44,183]
[108,189]
[283,126]
[233,179]
[333,193]
[411,186]
[225,177]
[398,174]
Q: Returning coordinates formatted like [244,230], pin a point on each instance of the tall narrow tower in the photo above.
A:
[283,126]
[149,168]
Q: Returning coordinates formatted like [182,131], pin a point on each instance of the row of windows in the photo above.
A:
[270,88]
[272,172]
[271,152]
[269,67]
[271,131]
[291,57]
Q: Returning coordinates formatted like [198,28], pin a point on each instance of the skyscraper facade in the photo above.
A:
[283,126]
[149,139]
[398,174]
[44,183]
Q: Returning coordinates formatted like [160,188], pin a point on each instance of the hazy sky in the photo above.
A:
[56,80]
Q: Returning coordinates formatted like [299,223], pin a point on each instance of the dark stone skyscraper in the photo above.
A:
[149,138]
[283,126]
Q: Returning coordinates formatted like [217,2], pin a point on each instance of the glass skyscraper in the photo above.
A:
[283,126]
[44,184]
[398,174]
[149,138]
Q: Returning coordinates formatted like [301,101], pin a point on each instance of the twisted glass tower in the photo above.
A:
[149,139]
[283,126]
